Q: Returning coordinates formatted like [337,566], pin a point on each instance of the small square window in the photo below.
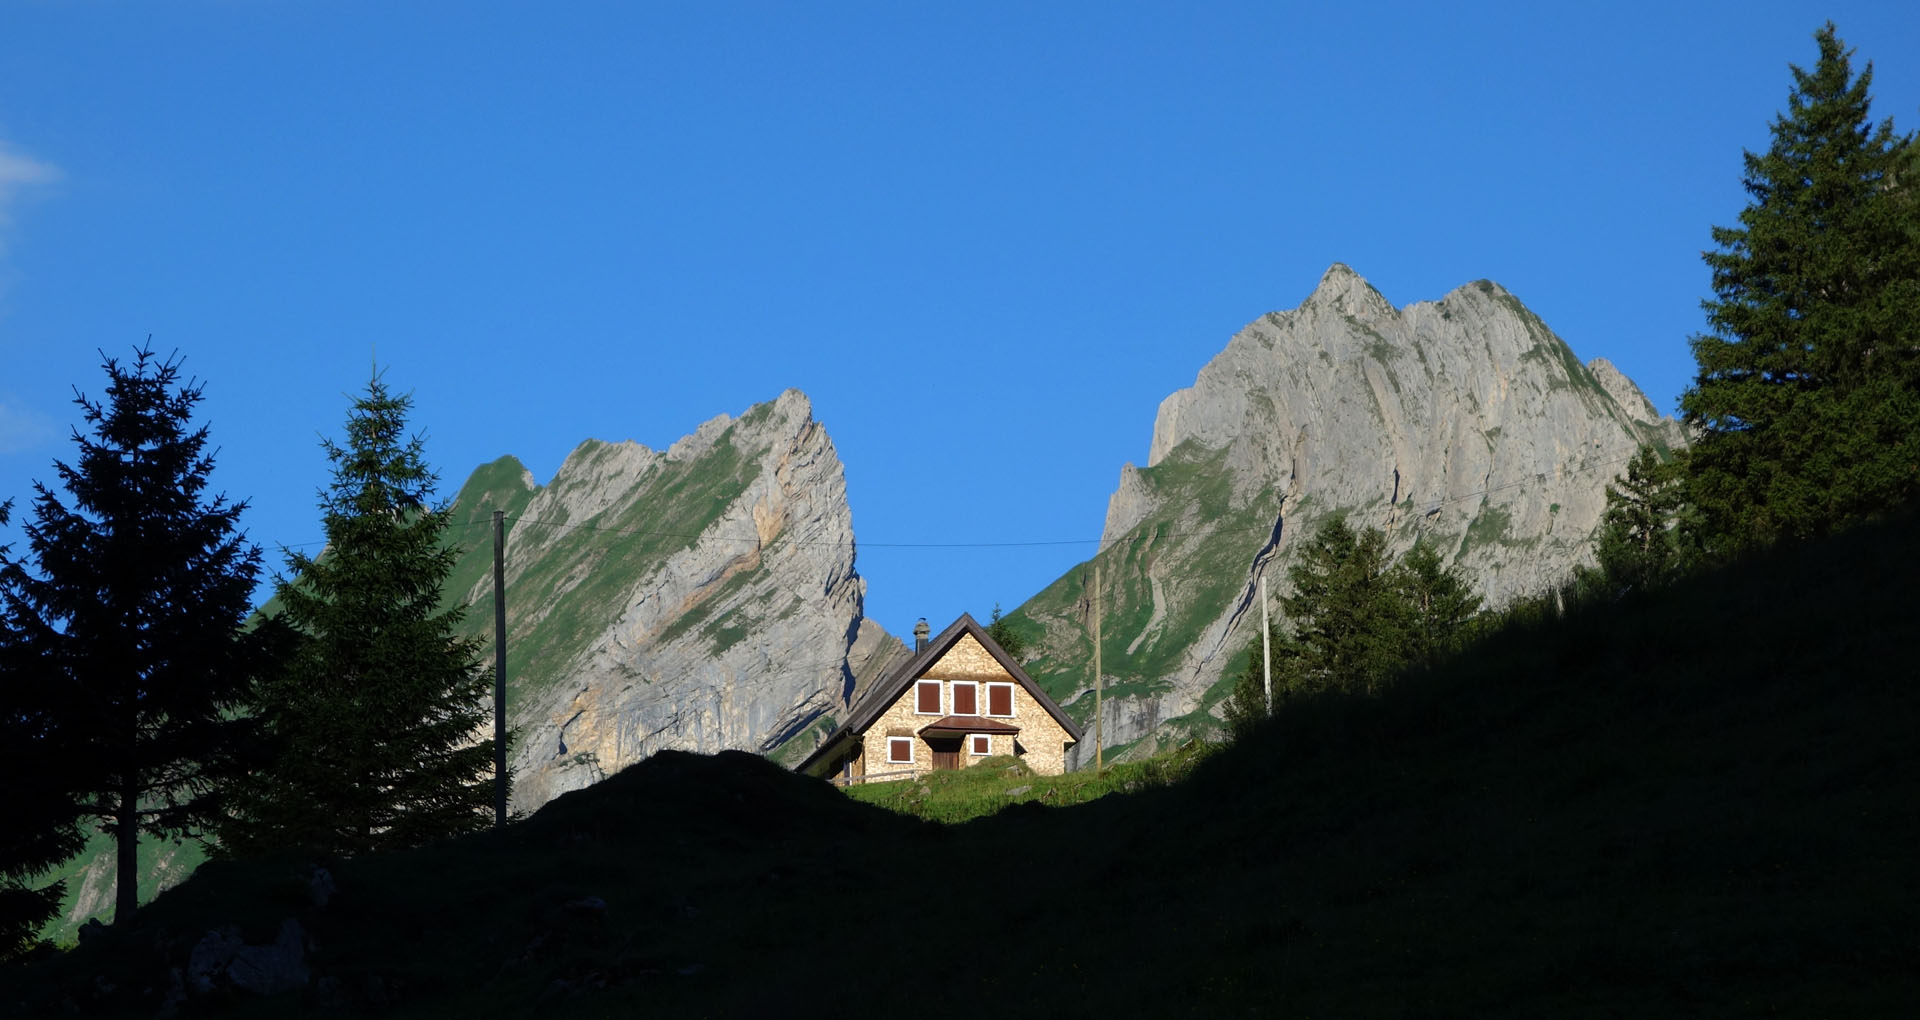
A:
[926,697]
[982,743]
[899,750]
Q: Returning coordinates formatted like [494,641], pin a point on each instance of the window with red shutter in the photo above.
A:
[966,699]
[900,750]
[999,699]
[926,697]
[982,743]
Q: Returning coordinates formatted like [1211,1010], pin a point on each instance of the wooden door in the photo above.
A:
[946,752]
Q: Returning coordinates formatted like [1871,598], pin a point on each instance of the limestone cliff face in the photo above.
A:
[702,598]
[1464,421]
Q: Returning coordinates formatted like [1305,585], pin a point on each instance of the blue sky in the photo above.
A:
[985,238]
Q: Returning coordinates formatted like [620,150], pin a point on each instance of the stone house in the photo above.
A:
[960,698]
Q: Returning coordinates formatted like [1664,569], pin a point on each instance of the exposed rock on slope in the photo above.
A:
[1465,422]
[702,599]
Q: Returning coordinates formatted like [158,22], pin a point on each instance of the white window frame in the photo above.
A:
[940,700]
[971,737]
[953,698]
[891,760]
[1013,704]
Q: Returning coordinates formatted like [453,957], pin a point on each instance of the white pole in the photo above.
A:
[1266,651]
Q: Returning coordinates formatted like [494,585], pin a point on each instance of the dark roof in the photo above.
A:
[968,724]
[890,687]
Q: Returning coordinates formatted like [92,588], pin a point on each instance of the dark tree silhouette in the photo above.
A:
[43,813]
[125,655]
[380,714]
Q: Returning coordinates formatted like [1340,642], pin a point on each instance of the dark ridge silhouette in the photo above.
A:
[1690,802]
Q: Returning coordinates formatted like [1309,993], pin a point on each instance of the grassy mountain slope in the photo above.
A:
[1179,569]
[90,879]
[1697,804]
[581,572]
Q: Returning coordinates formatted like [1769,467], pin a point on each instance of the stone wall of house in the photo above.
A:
[1041,737]
[968,659]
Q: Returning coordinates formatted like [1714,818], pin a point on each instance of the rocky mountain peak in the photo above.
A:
[700,599]
[1348,293]
[1465,423]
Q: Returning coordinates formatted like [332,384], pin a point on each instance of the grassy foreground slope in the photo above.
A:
[1700,804]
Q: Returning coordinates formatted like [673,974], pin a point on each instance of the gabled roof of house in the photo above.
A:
[895,683]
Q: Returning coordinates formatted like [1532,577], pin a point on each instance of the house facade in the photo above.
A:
[959,700]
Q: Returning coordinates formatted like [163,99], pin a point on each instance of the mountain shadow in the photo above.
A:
[1696,802]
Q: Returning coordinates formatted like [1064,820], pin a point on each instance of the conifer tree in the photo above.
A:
[1642,542]
[1005,636]
[1807,399]
[1439,603]
[124,656]
[380,720]
[1350,623]
[43,813]
[1358,618]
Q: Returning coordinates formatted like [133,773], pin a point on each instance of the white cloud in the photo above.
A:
[18,173]
[23,429]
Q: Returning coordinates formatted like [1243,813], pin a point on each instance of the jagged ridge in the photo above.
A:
[702,598]
[1464,422]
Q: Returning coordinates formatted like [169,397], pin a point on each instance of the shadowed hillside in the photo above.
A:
[1697,804]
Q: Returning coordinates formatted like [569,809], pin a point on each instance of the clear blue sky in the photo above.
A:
[984,237]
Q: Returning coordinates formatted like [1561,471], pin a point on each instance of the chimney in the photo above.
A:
[920,632]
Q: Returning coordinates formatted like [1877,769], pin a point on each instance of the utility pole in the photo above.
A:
[1099,721]
[499,668]
[1266,651]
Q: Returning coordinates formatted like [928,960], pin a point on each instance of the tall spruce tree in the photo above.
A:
[1807,399]
[379,719]
[125,657]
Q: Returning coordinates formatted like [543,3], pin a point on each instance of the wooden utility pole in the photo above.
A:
[1266,651]
[499,668]
[1099,721]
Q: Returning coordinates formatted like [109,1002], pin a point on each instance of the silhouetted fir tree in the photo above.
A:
[381,720]
[42,812]
[125,655]
[1807,399]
